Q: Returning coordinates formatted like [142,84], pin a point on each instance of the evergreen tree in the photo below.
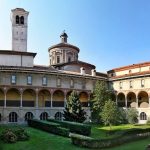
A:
[73,110]
[100,95]
[110,113]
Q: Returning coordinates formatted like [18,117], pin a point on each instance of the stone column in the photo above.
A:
[21,94]
[126,102]
[51,98]
[5,97]
[116,100]
[65,99]
[149,101]
[89,99]
[137,101]
[37,99]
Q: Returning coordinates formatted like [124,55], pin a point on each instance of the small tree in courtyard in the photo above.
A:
[109,114]
[100,95]
[132,115]
[73,110]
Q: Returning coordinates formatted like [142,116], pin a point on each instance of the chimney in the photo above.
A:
[82,71]
[93,72]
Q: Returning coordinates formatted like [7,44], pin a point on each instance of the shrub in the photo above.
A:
[12,136]
[21,134]
[74,127]
[8,136]
[49,127]
[130,135]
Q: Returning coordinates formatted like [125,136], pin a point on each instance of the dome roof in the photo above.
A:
[64,45]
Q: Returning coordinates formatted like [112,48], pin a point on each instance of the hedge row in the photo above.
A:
[74,127]
[49,127]
[84,141]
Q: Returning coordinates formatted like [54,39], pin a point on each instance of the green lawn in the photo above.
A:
[45,141]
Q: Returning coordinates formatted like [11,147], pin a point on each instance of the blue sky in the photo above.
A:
[109,33]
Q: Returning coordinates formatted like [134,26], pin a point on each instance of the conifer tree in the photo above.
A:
[73,110]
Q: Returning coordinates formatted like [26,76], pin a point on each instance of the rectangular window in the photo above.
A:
[13,79]
[58,59]
[120,85]
[44,81]
[71,83]
[29,80]
[131,84]
[58,82]
[142,83]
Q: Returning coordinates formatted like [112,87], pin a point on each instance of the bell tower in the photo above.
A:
[19,19]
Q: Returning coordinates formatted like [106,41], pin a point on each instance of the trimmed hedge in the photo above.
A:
[74,127]
[49,127]
[129,136]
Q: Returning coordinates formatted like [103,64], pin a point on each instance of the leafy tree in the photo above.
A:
[100,95]
[73,110]
[132,115]
[109,114]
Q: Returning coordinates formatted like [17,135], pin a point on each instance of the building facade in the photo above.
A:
[32,91]
[131,85]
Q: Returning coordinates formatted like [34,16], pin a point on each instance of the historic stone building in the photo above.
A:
[132,88]
[28,90]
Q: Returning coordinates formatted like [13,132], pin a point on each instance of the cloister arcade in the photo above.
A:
[22,103]
[14,97]
[133,99]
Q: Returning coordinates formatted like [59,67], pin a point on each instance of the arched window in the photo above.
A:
[28,115]
[17,19]
[58,116]
[44,116]
[13,117]
[22,20]
[143,116]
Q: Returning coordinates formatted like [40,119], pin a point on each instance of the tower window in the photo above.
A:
[58,59]
[17,19]
[22,20]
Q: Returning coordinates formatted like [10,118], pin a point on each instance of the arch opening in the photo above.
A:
[28,98]
[143,100]
[131,100]
[13,98]
[121,100]
[44,98]
[58,99]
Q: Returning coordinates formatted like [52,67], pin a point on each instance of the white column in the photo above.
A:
[51,98]
[136,101]
[65,100]
[126,102]
[149,102]
[21,93]
[5,99]
[20,99]
[116,100]
[36,98]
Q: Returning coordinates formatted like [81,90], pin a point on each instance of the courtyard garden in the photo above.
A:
[42,140]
